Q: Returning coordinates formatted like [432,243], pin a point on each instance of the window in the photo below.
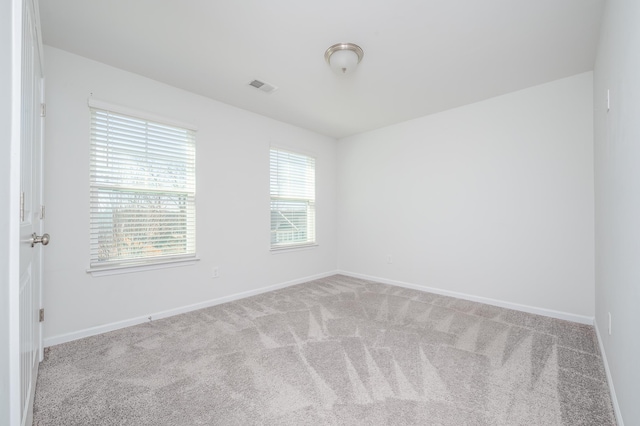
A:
[293,199]
[142,191]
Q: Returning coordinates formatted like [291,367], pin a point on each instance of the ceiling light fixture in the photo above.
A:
[343,58]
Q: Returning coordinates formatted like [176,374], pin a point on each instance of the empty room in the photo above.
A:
[319,213]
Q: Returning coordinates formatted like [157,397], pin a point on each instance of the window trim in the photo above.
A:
[126,269]
[302,245]
[151,263]
[297,247]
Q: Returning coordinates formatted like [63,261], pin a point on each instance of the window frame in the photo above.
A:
[295,246]
[153,261]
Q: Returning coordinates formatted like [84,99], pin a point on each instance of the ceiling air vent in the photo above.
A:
[265,87]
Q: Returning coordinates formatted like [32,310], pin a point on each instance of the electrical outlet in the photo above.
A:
[609,323]
[215,272]
[389,258]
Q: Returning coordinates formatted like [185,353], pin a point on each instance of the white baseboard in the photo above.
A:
[75,335]
[503,304]
[68,337]
[612,390]
[92,331]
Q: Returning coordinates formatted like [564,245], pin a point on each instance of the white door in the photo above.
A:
[31,209]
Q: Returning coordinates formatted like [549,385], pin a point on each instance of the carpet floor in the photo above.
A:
[334,351]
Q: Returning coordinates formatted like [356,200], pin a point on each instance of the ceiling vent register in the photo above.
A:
[265,87]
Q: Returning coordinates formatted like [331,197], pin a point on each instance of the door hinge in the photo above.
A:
[42,211]
[41,314]
[43,110]
[22,207]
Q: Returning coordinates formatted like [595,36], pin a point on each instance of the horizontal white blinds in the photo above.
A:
[142,190]
[292,187]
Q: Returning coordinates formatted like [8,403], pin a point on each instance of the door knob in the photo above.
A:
[35,239]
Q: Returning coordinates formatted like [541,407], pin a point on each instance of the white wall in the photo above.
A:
[617,199]
[5,151]
[493,199]
[232,200]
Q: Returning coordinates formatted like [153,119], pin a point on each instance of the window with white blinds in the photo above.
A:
[142,191]
[293,199]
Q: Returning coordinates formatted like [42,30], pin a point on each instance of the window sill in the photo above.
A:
[287,249]
[116,270]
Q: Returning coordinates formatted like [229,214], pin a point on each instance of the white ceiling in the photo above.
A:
[421,56]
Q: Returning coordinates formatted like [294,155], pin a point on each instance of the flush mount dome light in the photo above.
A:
[343,58]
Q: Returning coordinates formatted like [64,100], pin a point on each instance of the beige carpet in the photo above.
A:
[335,351]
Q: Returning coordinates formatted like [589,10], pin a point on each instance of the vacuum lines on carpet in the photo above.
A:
[334,351]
